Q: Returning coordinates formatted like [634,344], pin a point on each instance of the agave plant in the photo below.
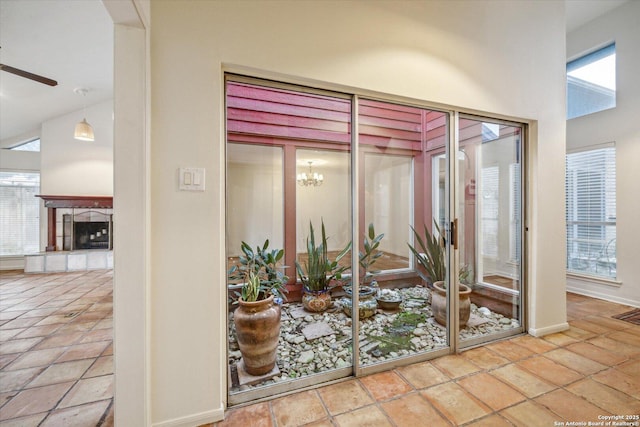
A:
[431,254]
[369,256]
[319,270]
[259,272]
[251,288]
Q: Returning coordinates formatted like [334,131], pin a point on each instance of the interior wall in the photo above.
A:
[20,160]
[619,125]
[78,168]
[439,51]
[329,203]
[254,201]
[388,201]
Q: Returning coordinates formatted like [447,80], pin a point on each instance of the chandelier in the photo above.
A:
[310,179]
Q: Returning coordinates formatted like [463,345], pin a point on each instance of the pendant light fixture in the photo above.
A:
[84,131]
[312,178]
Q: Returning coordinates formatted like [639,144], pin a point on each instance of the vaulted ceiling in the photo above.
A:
[67,41]
[71,41]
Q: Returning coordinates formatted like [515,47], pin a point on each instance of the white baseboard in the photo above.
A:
[603,296]
[539,332]
[207,417]
[12,263]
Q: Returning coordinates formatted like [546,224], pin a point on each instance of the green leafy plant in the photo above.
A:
[258,271]
[369,256]
[465,275]
[251,288]
[319,270]
[430,254]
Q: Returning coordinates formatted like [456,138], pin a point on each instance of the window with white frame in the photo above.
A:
[515,241]
[19,213]
[490,210]
[591,212]
[33,145]
[591,82]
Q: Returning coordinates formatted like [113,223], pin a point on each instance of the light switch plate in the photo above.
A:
[191,179]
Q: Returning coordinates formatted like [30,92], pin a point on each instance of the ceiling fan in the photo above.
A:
[28,75]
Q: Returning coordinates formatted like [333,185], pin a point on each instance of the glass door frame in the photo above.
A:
[451,214]
[522,269]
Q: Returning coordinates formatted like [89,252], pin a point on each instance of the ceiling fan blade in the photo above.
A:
[28,75]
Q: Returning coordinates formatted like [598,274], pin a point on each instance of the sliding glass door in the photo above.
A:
[489,205]
[396,145]
[392,249]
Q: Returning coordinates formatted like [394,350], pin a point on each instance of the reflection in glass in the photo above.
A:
[490,226]
[388,188]
[396,146]
[254,196]
[329,203]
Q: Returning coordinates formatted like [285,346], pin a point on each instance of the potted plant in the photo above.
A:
[431,257]
[257,318]
[367,288]
[369,256]
[319,271]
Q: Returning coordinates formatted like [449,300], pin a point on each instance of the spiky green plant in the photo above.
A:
[259,265]
[369,256]
[431,254]
[319,270]
[251,288]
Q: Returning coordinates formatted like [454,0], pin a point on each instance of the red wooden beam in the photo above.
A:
[77,201]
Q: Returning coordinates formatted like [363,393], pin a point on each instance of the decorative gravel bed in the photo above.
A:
[311,343]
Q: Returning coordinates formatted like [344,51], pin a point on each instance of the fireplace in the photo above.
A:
[87,229]
[87,222]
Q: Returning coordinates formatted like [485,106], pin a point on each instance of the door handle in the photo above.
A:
[454,233]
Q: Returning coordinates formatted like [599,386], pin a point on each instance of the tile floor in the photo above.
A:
[56,369]
[56,353]
[579,375]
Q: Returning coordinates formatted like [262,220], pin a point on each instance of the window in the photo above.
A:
[33,145]
[591,212]
[19,213]
[591,82]
[490,179]
[515,244]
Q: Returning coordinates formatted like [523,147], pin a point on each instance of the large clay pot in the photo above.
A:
[316,301]
[258,329]
[439,303]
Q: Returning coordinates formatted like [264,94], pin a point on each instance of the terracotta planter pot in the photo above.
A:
[316,301]
[258,329]
[367,305]
[439,303]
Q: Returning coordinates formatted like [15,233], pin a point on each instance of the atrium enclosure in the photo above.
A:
[292,161]
[503,60]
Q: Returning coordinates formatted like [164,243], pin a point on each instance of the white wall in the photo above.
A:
[502,57]
[329,203]
[255,202]
[619,125]
[389,201]
[78,168]
[19,160]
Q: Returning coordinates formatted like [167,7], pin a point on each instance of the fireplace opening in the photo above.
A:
[88,229]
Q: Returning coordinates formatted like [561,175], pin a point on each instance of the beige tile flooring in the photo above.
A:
[579,375]
[56,353]
[56,369]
